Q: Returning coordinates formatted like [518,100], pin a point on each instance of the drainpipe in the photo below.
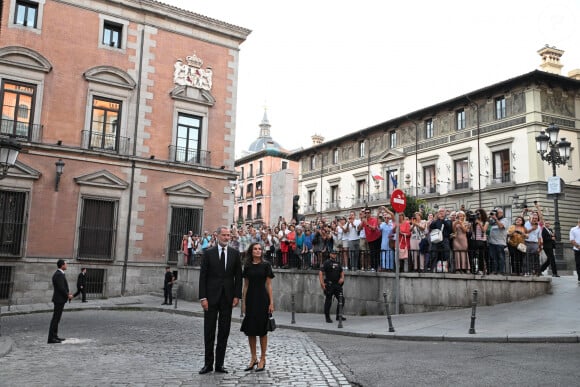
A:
[132,181]
[472,103]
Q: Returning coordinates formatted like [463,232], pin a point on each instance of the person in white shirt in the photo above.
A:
[575,241]
[352,226]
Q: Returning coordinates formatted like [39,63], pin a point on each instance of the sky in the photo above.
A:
[333,67]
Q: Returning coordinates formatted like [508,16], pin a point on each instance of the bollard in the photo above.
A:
[340,307]
[391,328]
[473,307]
[293,310]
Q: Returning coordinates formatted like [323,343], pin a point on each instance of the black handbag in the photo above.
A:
[271,323]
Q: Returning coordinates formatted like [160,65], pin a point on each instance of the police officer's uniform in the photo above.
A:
[330,274]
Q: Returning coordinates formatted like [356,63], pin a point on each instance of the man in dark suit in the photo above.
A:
[168,286]
[220,289]
[82,284]
[548,239]
[60,296]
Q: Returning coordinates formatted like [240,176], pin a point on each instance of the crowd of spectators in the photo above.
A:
[468,242]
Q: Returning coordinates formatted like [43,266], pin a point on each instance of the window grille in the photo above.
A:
[183,220]
[97,229]
[11,222]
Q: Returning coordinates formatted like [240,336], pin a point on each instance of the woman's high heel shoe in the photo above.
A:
[251,367]
[261,368]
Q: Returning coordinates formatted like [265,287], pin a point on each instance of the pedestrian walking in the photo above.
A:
[82,285]
[60,296]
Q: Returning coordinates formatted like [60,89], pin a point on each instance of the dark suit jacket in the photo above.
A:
[81,280]
[213,279]
[60,285]
[547,239]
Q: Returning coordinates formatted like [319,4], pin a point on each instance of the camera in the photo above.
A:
[492,213]
[472,216]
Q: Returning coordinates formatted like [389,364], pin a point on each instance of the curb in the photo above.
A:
[561,339]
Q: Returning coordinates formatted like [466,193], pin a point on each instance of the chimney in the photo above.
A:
[551,59]
[317,139]
[574,74]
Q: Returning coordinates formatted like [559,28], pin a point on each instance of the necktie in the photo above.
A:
[223,257]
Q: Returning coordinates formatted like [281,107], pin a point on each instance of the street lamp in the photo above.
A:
[9,150]
[556,153]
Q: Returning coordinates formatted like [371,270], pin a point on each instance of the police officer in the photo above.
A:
[331,279]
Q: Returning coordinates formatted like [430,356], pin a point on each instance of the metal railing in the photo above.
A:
[183,155]
[21,130]
[103,142]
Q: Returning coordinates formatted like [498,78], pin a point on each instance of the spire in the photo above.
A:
[265,125]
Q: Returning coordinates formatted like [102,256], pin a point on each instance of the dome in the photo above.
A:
[264,140]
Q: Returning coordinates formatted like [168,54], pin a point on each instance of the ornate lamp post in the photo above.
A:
[556,153]
[9,150]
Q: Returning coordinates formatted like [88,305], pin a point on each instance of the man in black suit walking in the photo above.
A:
[82,284]
[60,296]
[220,289]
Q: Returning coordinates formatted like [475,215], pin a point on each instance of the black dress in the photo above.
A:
[257,299]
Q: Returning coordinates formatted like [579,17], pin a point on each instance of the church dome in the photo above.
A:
[264,140]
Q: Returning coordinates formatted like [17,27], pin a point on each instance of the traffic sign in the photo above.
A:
[398,200]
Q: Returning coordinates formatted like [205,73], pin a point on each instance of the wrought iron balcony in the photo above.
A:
[502,178]
[111,143]
[21,130]
[189,156]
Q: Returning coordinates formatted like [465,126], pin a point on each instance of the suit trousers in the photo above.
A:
[56,315]
[220,314]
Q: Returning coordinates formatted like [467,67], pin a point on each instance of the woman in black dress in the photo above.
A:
[257,303]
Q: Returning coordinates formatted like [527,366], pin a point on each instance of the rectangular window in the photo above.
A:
[6,282]
[251,170]
[335,156]
[334,195]
[17,101]
[461,168]
[392,139]
[249,212]
[429,179]
[188,149]
[97,229]
[12,226]
[284,164]
[112,34]
[260,168]
[392,180]
[249,190]
[183,220]
[240,214]
[259,188]
[429,128]
[501,166]
[259,211]
[26,14]
[361,149]
[361,189]
[311,197]
[104,132]
[242,173]
[460,119]
[312,163]
[95,282]
[500,108]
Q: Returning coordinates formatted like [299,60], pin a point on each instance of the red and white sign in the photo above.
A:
[398,200]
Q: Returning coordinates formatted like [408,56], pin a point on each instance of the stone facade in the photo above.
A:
[147,158]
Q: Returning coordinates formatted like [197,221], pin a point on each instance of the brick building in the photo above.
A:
[137,99]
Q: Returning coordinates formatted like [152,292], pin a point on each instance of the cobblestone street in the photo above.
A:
[126,348]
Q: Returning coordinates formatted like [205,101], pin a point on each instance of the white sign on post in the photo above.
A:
[554,185]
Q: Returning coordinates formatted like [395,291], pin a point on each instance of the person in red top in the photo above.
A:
[373,236]
[404,240]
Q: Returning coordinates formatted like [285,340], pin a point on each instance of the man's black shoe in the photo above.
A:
[205,370]
[343,319]
[165,303]
[555,275]
[328,320]
[60,338]
[221,370]
[171,303]
[54,341]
